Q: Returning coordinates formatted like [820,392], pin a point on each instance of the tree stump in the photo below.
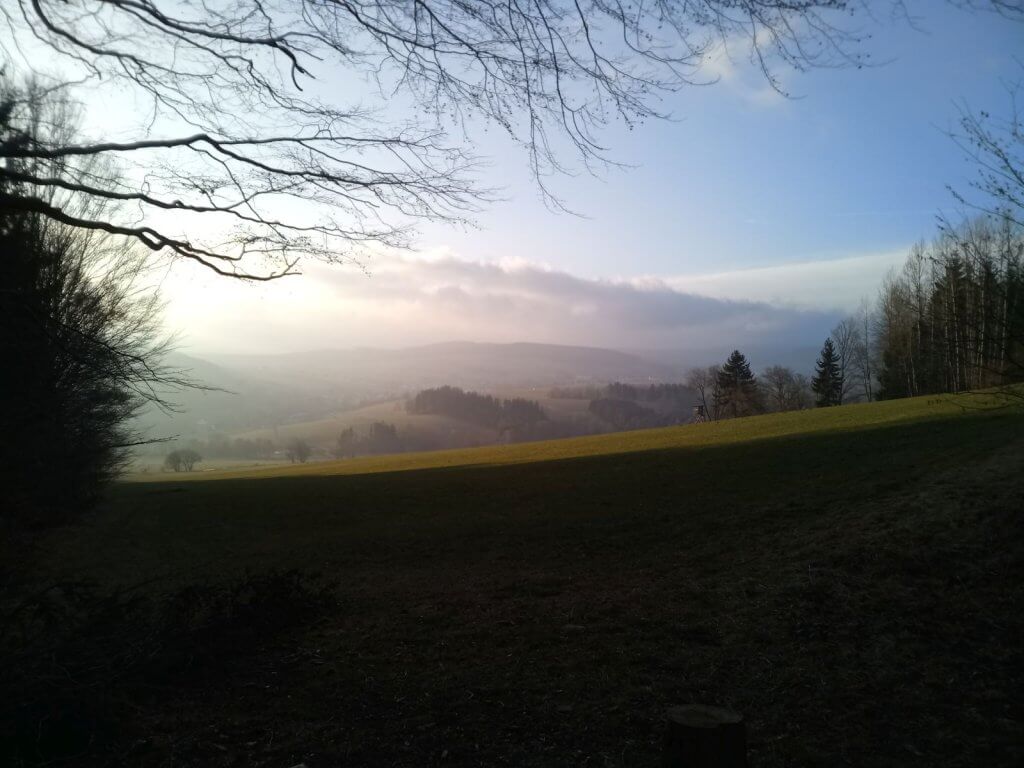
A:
[704,737]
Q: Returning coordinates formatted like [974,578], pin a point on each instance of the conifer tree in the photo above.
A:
[828,381]
[736,393]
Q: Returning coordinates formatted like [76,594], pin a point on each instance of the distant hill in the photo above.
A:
[235,400]
[266,391]
[800,358]
[464,364]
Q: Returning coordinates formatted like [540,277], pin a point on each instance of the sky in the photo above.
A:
[747,217]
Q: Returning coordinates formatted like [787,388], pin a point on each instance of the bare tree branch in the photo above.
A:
[250,122]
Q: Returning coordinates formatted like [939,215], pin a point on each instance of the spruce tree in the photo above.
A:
[736,393]
[828,381]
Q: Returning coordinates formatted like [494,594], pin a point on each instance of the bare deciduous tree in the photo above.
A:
[80,327]
[991,249]
[299,451]
[704,381]
[248,142]
[995,143]
[785,390]
[182,460]
[851,345]
[953,319]
[863,354]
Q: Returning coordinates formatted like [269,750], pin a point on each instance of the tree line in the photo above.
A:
[79,331]
[380,437]
[733,390]
[620,406]
[950,320]
[953,318]
[622,414]
[482,410]
[652,393]
[222,446]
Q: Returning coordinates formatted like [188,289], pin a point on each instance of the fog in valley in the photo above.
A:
[253,407]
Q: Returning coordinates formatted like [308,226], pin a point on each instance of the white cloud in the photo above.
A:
[827,285]
[744,78]
[408,301]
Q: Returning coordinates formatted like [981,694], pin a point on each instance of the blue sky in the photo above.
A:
[856,162]
[785,211]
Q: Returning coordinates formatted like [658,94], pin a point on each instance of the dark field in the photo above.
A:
[851,581]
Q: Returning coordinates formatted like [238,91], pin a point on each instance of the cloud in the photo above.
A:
[826,285]
[744,79]
[408,301]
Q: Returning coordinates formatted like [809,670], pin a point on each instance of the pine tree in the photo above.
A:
[828,381]
[736,393]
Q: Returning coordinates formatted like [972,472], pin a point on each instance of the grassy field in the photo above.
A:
[836,421]
[144,466]
[323,433]
[850,579]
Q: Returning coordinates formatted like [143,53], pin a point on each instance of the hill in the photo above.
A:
[236,399]
[264,392]
[434,430]
[465,364]
[849,578]
[322,433]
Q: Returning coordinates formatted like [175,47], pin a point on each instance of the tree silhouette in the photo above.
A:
[952,320]
[736,393]
[244,136]
[827,382]
[182,460]
[483,410]
[347,444]
[299,451]
[81,340]
[787,391]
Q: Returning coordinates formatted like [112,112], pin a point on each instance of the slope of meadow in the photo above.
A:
[322,433]
[443,430]
[834,421]
[849,578]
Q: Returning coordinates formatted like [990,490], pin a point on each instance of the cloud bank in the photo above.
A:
[410,301]
[834,284]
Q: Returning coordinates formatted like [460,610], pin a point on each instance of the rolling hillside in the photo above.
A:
[419,431]
[849,579]
[293,392]
[322,433]
[466,364]
[831,421]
